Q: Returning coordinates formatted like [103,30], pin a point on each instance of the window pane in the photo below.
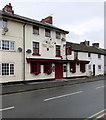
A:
[0,69]
[4,23]
[47,33]
[58,35]
[11,45]
[99,67]
[35,67]
[35,30]
[5,45]
[36,47]
[5,69]
[11,69]
[58,50]
[89,67]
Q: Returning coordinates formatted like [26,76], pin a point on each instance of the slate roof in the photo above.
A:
[28,20]
[84,48]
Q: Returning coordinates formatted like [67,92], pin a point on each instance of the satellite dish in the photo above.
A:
[28,51]
[20,49]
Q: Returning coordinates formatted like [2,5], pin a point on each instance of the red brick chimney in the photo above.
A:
[8,9]
[95,45]
[47,20]
[87,43]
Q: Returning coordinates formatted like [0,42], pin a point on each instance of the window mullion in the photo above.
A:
[9,69]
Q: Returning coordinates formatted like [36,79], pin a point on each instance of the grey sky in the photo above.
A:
[84,20]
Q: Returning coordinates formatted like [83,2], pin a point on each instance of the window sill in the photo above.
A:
[36,54]
[58,56]
[36,73]
[73,71]
[35,34]
[48,73]
[58,38]
[47,36]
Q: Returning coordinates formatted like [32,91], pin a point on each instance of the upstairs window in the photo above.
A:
[82,67]
[48,68]
[58,35]
[75,55]
[73,67]
[3,23]
[47,33]
[35,67]
[89,54]
[36,30]
[99,55]
[7,45]
[36,48]
[58,52]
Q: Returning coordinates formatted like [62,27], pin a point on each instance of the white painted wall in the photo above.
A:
[16,57]
[94,60]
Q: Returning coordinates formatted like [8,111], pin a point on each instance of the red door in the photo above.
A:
[58,71]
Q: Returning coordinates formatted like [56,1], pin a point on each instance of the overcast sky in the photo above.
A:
[83,19]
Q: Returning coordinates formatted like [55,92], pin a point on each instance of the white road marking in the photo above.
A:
[100,87]
[7,108]
[62,96]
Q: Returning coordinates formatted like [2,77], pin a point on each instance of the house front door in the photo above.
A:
[93,70]
[58,71]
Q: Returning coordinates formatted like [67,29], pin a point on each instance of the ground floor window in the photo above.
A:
[48,68]
[89,67]
[6,69]
[65,68]
[82,67]
[35,67]
[99,67]
[73,67]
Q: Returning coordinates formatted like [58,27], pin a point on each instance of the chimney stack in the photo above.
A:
[87,43]
[95,45]
[47,20]
[8,9]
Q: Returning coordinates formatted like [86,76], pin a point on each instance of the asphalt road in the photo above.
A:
[77,101]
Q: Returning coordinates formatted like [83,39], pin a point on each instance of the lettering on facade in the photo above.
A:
[47,45]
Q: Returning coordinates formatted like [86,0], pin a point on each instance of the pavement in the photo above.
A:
[15,88]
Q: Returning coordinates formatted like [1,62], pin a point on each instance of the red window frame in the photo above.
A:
[58,52]
[35,67]
[36,30]
[48,68]
[47,33]
[73,67]
[58,35]
[82,67]
[36,48]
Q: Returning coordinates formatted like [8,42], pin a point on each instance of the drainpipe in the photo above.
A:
[24,59]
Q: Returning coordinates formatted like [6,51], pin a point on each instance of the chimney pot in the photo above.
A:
[87,43]
[47,20]
[8,9]
[95,45]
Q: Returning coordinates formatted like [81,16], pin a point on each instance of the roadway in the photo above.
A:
[71,101]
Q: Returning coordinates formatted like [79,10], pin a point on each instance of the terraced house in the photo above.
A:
[33,50]
[93,53]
